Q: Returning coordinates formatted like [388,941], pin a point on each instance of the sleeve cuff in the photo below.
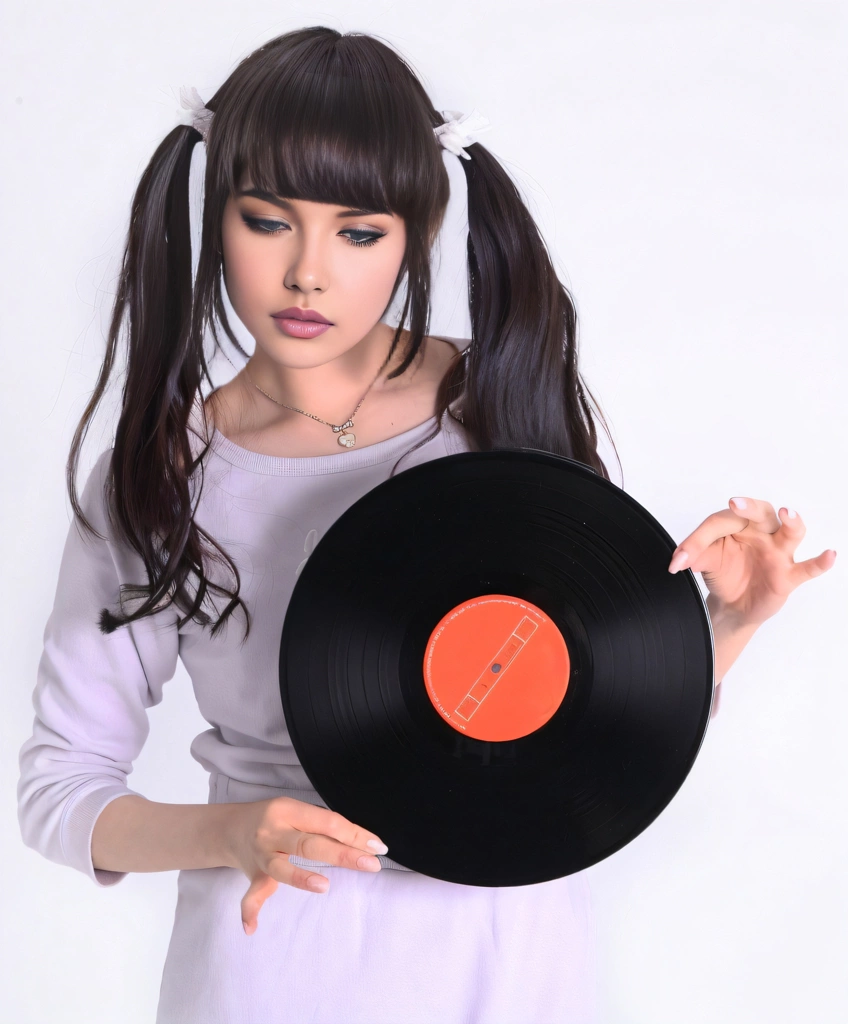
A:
[78,827]
[716,701]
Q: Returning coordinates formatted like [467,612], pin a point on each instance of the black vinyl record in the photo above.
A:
[486,662]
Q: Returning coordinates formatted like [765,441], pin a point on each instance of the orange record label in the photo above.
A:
[496,667]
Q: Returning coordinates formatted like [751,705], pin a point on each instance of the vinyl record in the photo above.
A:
[486,662]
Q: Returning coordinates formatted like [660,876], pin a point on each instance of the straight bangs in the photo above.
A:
[341,138]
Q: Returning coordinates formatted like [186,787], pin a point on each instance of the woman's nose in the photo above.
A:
[307,270]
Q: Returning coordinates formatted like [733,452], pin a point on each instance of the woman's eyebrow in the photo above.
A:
[284,204]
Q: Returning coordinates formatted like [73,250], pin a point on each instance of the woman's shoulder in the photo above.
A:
[93,494]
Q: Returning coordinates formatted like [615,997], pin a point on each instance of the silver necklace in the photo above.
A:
[347,439]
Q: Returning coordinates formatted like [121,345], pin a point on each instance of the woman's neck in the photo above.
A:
[333,389]
[248,418]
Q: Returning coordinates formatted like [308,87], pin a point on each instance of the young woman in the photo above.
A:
[325,188]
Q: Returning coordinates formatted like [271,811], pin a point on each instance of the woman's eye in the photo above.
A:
[369,238]
[261,226]
[274,227]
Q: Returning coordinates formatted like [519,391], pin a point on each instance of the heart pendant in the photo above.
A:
[347,440]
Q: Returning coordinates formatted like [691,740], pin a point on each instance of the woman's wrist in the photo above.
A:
[730,636]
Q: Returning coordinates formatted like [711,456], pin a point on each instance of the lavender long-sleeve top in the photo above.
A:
[93,690]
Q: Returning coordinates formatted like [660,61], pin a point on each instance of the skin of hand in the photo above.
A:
[265,833]
[745,555]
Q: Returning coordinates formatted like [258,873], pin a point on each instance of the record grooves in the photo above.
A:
[486,662]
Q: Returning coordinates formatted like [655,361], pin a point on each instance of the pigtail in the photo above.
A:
[518,382]
[148,492]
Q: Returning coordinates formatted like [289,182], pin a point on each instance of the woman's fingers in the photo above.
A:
[792,530]
[743,516]
[756,511]
[260,889]
[313,846]
[310,818]
[268,832]
[264,885]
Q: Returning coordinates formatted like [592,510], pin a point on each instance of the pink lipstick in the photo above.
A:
[301,323]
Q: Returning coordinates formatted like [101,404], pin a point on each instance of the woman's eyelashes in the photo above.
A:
[274,227]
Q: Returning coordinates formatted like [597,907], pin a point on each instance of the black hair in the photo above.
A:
[338,118]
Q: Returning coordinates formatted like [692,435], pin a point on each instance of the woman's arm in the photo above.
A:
[92,695]
[136,834]
[729,638]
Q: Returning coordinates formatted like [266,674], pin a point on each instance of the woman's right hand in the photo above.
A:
[265,833]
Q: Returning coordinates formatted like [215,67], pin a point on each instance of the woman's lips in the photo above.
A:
[299,328]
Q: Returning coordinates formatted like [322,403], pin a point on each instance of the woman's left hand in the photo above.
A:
[744,554]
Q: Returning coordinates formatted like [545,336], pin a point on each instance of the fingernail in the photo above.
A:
[739,502]
[679,560]
[368,863]
[377,846]
[245,926]
[791,513]
[318,884]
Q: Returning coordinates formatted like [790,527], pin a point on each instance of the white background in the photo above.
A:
[686,162]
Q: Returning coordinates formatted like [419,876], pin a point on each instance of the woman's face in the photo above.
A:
[280,254]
